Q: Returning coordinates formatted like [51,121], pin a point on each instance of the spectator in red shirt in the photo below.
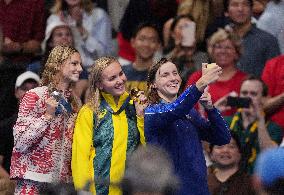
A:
[23,28]
[225,49]
[273,76]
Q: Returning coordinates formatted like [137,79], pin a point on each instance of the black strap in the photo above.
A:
[106,106]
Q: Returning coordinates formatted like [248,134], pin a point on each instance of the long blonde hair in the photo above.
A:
[61,5]
[53,66]
[93,99]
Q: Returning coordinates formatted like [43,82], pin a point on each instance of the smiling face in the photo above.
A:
[113,80]
[167,81]
[146,43]
[239,11]
[224,53]
[71,68]
[227,155]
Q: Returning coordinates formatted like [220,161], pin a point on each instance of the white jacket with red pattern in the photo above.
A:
[42,148]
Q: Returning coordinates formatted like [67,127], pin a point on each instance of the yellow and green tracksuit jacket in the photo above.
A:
[100,146]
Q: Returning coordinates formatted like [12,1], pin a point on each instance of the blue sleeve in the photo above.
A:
[215,130]
[160,116]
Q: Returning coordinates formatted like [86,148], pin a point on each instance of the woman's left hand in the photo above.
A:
[141,103]
[205,100]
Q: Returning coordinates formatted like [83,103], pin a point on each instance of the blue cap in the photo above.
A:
[270,166]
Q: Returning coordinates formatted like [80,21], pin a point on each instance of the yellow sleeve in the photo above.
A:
[82,148]
[140,125]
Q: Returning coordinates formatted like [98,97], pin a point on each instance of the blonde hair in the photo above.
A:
[93,99]
[222,35]
[61,5]
[201,11]
[52,67]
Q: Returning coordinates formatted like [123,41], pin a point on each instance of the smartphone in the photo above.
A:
[188,34]
[238,102]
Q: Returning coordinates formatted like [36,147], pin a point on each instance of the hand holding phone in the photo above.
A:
[188,34]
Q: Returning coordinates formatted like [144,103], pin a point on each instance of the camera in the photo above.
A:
[239,102]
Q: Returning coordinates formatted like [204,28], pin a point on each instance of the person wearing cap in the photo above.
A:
[269,172]
[226,174]
[57,33]
[44,128]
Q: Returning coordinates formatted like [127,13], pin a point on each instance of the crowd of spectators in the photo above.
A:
[243,37]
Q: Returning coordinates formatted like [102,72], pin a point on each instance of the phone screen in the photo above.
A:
[188,34]
[238,102]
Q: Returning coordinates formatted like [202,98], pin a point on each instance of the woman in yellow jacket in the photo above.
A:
[107,129]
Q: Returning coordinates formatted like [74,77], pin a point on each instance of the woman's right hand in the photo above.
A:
[51,105]
[209,75]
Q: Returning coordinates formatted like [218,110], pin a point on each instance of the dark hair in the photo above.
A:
[171,43]
[142,25]
[227,2]
[276,188]
[153,96]
[254,78]
[237,140]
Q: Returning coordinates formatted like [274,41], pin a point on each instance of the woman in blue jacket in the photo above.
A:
[173,123]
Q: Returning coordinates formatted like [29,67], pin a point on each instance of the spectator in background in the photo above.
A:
[91,27]
[259,46]
[146,42]
[255,132]
[225,50]
[26,81]
[269,172]
[272,21]
[44,128]
[182,47]
[57,33]
[273,76]
[139,11]
[226,176]
[202,12]
[8,76]
[149,171]
[23,28]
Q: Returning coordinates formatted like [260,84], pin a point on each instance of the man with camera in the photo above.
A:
[250,124]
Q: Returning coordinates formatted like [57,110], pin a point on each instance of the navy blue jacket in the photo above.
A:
[179,129]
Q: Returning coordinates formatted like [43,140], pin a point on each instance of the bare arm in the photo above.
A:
[273,104]
[264,138]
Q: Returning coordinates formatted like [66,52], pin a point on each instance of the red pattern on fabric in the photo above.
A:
[42,151]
